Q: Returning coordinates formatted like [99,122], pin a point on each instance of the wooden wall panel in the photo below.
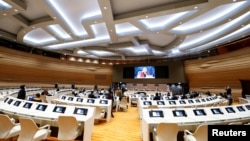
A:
[214,73]
[21,67]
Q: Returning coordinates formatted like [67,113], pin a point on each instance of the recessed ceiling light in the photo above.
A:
[195,7]
[105,7]
[146,17]
[15,10]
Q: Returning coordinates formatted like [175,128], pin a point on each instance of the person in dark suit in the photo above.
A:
[91,95]
[157,96]
[228,90]
[230,100]
[22,92]
[110,96]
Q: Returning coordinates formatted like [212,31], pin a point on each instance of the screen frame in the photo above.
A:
[247,107]
[84,111]
[172,102]
[230,110]
[27,105]
[41,105]
[103,101]
[147,103]
[176,113]
[216,111]
[91,101]
[203,113]
[158,112]
[6,99]
[160,103]
[150,69]
[10,101]
[190,101]
[17,103]
[182,101]
[79,99]
[59,107]
[240,108]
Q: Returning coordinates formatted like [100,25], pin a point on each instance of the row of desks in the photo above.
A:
[188,118]
[50,112]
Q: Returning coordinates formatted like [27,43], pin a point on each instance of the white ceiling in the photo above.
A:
[124,29]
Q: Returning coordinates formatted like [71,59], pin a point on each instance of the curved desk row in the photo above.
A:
[189,117]
[49,112]
[144,103]
[198,102]
[103,103]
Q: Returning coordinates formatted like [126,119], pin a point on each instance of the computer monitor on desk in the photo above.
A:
[230,110]
[27,105]
[172,102]
[81,111]
[240,108]
[160,103]
[147,103]
[10,101]
[41,107]
[103,101]
[197,101]
[216,111]
[90,101]
[59,109]
[6,99]
[248,107]
[190,101]
[17,103]
[70,98]
[179,113]
[156,113]
[199,112]
[79,99]
[182,102]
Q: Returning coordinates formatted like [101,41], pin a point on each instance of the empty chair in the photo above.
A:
[8,128]
[31,132]
[200,134]
[99,114]
[165,132]
[123,105]
[68,128]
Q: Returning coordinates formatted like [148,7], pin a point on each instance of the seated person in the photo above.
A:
[157,96]
[37,98]
[230,99]
[91,95]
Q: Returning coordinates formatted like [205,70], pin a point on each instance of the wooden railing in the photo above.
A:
[215,73]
